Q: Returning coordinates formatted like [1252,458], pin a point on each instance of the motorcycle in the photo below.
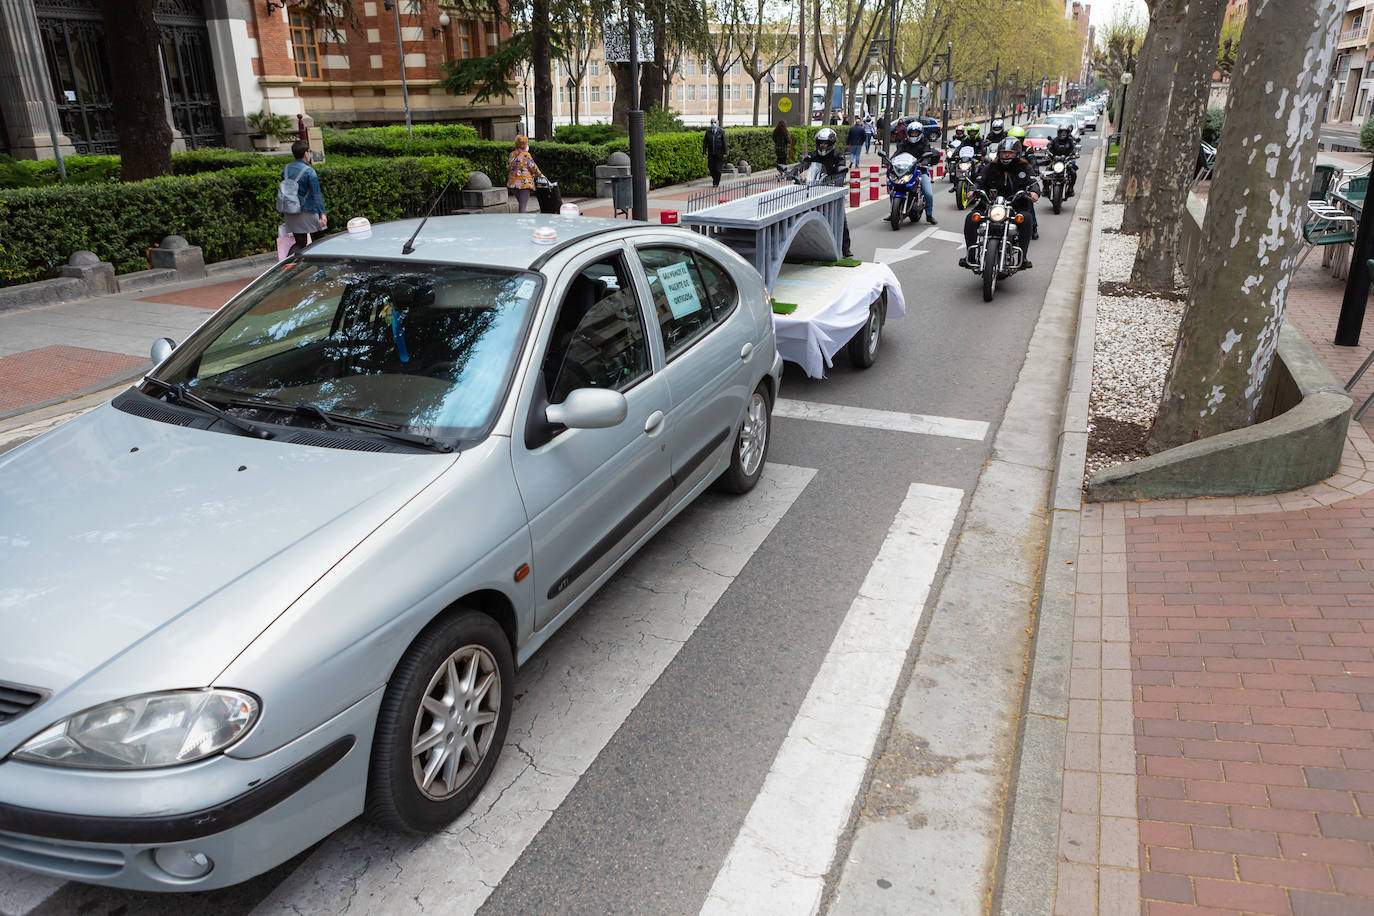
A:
[1056,177]
[995,255]
[904,186]
[964,175]
[813,173]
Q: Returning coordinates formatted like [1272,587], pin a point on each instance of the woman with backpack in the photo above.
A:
[302,211]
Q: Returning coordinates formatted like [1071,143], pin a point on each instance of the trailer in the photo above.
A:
[792,235]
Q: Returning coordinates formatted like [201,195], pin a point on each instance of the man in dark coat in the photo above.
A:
[713,148]
[856,137]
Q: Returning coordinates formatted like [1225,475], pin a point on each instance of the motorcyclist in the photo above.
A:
[917,143]
[1063,145]
[1009,174]
[973,136]
[832,163]
[997,132]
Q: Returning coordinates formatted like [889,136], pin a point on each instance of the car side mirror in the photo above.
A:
[589,408]
[162,348]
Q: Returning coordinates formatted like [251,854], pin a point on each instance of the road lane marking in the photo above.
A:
[781,855]
[574,695]
[844,415]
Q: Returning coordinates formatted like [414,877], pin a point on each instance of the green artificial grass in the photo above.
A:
[783,308]
[842,262]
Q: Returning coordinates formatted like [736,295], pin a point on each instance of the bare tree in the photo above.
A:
[764,41]
[1172,166]
[834,42]
[1250,237]
[721,50]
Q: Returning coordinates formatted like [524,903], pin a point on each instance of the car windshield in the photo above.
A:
[425,347]
[1040,132]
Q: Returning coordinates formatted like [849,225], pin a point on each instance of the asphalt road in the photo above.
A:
[647,770]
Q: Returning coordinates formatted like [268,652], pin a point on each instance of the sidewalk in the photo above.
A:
[1220,749]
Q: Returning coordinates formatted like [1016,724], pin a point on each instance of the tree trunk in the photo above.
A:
[1173,165]
[758,88]
[1250,238]
[720,98]
[145,137]
[620,106]
[651,75]
[1132,101]
[1154,97]
[542,65]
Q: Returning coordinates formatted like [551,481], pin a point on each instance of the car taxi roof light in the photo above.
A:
[545,235]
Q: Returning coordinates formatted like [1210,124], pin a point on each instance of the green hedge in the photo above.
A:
[588,133]
[228,213]
[676,158]
[29,173]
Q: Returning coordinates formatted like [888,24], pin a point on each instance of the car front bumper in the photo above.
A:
[245,816]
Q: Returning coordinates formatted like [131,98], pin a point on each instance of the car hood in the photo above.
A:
[159,552]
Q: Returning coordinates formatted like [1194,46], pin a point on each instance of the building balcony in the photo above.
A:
[1353,37]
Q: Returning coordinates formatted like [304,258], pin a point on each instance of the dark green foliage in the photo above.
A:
[29,173]
[1367,135]
[588,133]
[1211,125]
[228,213]
[660,120]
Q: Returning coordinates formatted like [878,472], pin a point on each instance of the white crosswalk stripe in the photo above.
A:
[780,857]
[892,420]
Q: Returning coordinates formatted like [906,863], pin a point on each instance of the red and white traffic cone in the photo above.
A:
[853,187]
[872,182]
[940,166]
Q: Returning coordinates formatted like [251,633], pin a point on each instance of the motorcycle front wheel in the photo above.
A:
[1057,198]
[960,197]
[989,282]
[895,216]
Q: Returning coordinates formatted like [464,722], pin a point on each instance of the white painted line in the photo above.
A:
[574,694]
[942,235]
[780,857]
[893,255]
[950,427]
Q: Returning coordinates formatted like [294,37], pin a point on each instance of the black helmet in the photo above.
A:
[1008,150]
[825,141]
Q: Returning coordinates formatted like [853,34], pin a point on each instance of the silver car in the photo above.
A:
[287,579]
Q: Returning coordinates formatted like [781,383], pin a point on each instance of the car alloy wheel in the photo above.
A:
[750,450]
[455,722]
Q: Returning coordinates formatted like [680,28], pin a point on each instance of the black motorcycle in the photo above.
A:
[995,255]
[964,172]
[906,199]
[1055,175]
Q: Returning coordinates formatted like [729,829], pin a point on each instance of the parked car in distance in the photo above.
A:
[286,579]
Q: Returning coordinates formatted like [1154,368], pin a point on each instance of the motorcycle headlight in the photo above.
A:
[997,213]
[964,166]
[141,732]
[1059,166]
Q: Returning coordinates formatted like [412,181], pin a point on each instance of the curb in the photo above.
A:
[1029,863]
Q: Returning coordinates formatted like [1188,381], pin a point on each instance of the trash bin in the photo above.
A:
[622,197]
[549,197]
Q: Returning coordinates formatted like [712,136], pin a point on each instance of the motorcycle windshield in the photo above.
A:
[903,164]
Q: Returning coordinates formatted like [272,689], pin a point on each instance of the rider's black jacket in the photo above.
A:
[833,162]
[1062,146]
[916,143]
[1004,180]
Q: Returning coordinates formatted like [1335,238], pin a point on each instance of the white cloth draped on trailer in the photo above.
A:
[832,305]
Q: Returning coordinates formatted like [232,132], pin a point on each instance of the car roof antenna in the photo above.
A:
[410,242]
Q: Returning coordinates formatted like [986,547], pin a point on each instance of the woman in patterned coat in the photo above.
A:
[523,171]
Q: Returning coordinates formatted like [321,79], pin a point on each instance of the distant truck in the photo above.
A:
[819,112]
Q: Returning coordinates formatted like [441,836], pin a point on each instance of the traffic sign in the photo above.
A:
[794,77]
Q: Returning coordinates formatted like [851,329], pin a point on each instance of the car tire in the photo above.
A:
[863,346]
[463,665]
[750,451]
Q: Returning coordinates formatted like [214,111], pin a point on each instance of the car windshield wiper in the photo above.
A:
[339,420]
[178,392]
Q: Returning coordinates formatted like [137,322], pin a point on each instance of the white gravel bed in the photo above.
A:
[1134,344]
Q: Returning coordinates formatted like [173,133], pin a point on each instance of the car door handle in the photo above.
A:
[654,423]
[746,350]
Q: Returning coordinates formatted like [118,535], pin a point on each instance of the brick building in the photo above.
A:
[1349,98]
[224,60]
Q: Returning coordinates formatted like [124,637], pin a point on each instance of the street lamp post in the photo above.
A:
[992,103]
[946,88]
[1015,78]
[572,105]
[639,175]
[395,8]
[768,78]
[1121,110]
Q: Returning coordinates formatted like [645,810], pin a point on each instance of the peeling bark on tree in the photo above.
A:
[145,137]
[1173,165]
[1250,238]
[1133,99]
[1158,77]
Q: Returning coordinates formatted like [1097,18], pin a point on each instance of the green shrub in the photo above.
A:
[228,213]
[29,173]
[1211,125]
[588,133]
[660,120]
[1367,134]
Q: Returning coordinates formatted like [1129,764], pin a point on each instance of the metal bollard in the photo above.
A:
[872,182]
[853,187]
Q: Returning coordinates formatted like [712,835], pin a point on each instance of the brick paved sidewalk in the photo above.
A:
[1220,751]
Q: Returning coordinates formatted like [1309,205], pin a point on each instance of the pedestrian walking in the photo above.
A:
[782,142]
[713,147]
[855,139]
[302,211]
[882,128]
[868,133]
[523,171]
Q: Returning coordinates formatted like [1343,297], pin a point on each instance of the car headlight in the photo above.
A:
[150,730]
[1059,166]
[997,213]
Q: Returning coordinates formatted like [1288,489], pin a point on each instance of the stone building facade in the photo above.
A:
[224,60]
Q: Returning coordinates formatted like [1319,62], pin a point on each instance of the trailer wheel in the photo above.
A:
[863,346]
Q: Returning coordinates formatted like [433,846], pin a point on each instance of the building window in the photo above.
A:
[596,93]
[584,93]
[715,91]
[692,92]
[681,92]
[596,68]
[701,65]
[465,41]
[303,46]
[691,68]
[734,69]
[748,90]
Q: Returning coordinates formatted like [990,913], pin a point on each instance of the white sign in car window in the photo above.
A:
[679,288]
